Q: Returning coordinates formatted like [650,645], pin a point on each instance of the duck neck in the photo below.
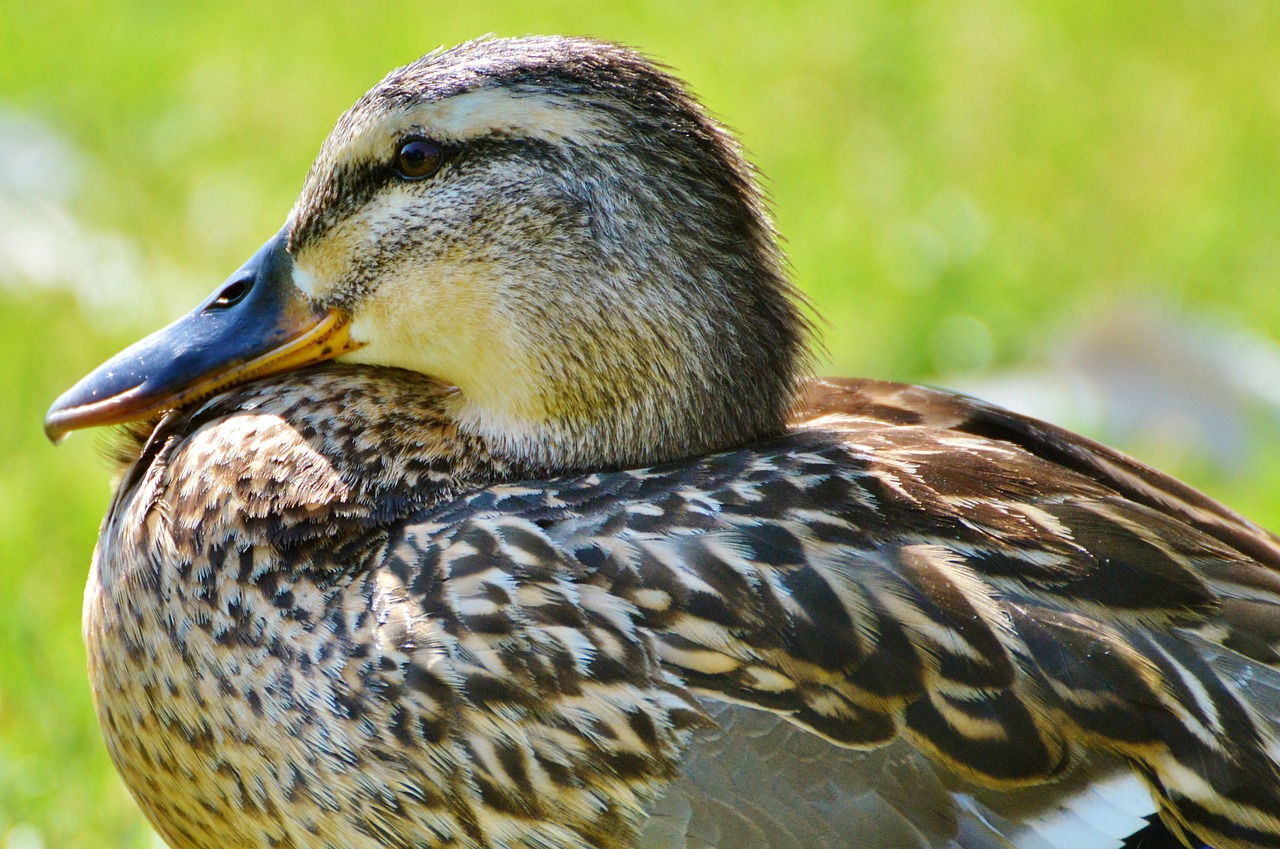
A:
[280,463]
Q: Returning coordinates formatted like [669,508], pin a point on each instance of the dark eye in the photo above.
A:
[418,158]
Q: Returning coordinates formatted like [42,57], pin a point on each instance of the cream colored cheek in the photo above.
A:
[306,280]
[325,264]
[319,270]
[430,313]
[451,328]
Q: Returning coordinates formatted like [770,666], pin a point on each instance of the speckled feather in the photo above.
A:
[521,661]
[619,575]
[310,652]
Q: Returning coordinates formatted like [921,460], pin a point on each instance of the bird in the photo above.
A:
[493,504]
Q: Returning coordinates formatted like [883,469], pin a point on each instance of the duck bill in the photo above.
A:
[257,324]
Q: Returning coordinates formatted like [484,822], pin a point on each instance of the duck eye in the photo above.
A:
[418,158]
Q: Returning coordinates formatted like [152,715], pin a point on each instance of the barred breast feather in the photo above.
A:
[913,620]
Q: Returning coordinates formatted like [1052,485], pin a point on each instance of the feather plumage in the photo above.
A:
[1018,623]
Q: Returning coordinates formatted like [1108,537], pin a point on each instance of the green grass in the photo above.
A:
[959,184]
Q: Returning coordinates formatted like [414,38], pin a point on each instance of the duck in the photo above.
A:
[492,504]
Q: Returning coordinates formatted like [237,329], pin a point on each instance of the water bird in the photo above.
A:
[492,504]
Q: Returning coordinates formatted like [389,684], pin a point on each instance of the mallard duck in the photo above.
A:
[491,504]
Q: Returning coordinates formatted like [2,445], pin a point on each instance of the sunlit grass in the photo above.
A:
[959,184]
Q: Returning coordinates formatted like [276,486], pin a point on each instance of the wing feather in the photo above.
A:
[1010,599]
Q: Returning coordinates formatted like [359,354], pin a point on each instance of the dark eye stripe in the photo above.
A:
[350,186]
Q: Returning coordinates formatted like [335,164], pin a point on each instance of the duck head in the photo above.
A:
[551,225]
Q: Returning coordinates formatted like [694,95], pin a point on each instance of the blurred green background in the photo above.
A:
[1070,206]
